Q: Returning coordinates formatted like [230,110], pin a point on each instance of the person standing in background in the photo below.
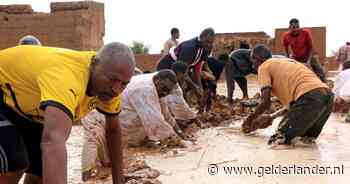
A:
[171,42]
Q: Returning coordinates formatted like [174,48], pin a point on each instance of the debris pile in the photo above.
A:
[221,111]
[138,172]
[135,172]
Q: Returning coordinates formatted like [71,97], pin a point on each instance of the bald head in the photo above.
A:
[111,70]
[29,40]
[116,52]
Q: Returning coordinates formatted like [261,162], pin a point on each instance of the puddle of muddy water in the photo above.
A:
[227,147]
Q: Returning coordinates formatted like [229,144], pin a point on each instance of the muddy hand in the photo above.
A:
[263,121]
[247,126]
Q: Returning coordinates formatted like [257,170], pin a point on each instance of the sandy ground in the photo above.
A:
[223,149]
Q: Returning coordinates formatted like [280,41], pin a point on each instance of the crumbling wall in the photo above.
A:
[227,42]
[147,61]
[74,25]
[332,64]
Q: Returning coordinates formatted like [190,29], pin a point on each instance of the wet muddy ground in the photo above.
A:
[221,153]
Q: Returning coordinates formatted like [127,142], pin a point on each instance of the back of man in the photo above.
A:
[288,79]
[29,83]
[241,62]
[237,68]
[309,100]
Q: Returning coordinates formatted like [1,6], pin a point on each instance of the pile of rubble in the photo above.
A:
[135,172]
[222,112]
[138,172]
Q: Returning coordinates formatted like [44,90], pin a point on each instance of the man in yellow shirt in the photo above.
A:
[310,100]
[43,91]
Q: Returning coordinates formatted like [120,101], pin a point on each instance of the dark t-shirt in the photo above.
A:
[241,63]
[216,67]
[191,52]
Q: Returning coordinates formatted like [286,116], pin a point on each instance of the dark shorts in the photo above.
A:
[306,117]
[20,141]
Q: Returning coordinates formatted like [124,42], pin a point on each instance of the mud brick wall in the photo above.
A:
[227,42]
[147,61]
[332,64]
[74,25]
[318,38]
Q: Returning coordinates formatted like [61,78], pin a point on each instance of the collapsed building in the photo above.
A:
[73,25]
[226,42]
[81,26]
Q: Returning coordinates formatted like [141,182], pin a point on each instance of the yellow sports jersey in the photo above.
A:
[33,77]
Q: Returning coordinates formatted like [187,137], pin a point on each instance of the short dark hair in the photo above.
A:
[207,32]
[166,74]
[293,20]
[174,30]
[262,51]
[179,67]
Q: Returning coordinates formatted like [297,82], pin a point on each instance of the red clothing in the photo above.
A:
[301,45]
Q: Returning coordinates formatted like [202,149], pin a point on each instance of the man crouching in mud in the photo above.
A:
[310,100]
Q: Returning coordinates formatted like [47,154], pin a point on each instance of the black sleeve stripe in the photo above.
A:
[106,113]
[44,104]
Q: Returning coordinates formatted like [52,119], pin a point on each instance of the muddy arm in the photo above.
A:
[265,104]
[114,142]
[191,83]
[279,112]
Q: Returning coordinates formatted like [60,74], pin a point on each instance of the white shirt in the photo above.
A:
[340,81]
[141,114]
